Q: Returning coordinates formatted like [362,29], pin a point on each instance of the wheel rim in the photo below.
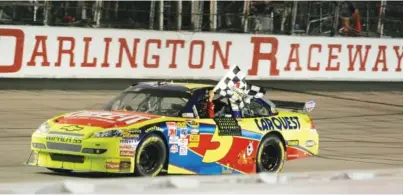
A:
[271,157]
[149,158]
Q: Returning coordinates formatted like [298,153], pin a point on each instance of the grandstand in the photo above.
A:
[313,18]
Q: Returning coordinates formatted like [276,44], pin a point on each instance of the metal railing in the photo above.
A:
[311,18]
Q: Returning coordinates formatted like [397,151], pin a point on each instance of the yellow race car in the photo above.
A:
[155,127]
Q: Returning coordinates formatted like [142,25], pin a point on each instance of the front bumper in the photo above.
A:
[91,155]
[81,163]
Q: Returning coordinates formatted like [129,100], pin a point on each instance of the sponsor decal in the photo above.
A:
[119,117]
[171,125]
[183,150]
[194,140]
[194,131]
[293,142]
[193,124]
[172,132]
[183,142]
[126,146]
[309,143]
[181,125]
[309,106]
[154,128]
[72,128]
[131,141]
[278,123]
[127,153]
[112,165]
[131,133]
[135,131]
[64,139]
[174,149]
[245,157]
[183,133]
[124,165]
[173,140]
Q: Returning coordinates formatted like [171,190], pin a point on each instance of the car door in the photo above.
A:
[194,132]
[218,140]
[210,141]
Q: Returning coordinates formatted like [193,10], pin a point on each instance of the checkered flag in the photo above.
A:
[253,91]
[234,86]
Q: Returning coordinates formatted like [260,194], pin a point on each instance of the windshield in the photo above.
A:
[153,101]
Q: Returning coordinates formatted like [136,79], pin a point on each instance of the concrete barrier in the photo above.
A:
[349,181]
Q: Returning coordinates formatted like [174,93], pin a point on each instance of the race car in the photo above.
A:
[156,127]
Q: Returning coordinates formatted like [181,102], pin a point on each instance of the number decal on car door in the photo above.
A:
[225,144]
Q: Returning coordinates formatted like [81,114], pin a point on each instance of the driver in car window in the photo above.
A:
[211,104]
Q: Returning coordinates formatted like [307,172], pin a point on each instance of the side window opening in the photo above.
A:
[255,109]
[172,105]
[201,106]
[149,101]
[222,107]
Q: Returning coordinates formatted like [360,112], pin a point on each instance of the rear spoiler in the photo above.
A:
[295,106]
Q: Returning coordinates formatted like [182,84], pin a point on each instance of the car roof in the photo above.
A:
[173,86]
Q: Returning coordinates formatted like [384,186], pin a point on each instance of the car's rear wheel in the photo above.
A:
[63,171]
[151,156]
[271,154]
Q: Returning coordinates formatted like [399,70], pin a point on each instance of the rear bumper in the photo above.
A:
[303,146]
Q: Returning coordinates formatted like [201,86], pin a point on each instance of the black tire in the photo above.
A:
[63,171]
[271,155]
[151,156]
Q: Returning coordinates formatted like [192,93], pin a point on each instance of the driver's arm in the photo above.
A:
[211,105]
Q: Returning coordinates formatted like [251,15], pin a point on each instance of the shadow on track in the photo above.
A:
[99,175]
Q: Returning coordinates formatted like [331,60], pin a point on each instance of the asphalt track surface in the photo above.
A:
[360,125]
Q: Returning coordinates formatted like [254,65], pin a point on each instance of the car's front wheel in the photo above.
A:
[271,155]
[151,156]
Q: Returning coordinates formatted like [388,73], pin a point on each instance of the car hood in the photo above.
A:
[102,119]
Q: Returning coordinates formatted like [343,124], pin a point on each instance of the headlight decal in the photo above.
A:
[44,128]
[108,133]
